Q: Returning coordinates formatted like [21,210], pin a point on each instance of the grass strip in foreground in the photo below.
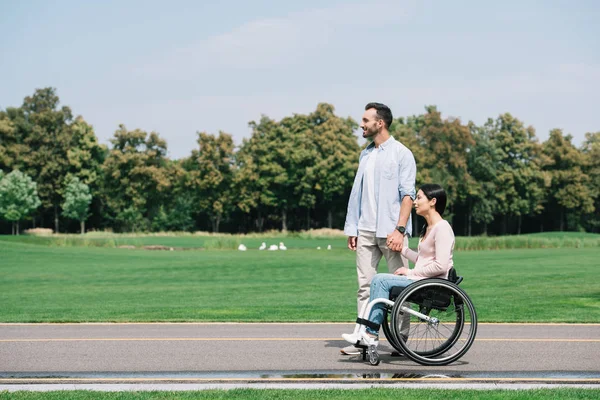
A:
[309,394]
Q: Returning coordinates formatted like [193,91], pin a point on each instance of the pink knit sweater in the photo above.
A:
[434,258]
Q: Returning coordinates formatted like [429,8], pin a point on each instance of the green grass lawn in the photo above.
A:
[323,394]
[178,241]
[76,284]
[294,240]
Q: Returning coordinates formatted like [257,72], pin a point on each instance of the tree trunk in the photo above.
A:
[485,224]
[308,219]
[519,225]
[259,222]
[33,222]
[504,224]
[82,224]
[17,228]
[542,225]
[283,220]
[55,219]
[562,218]
[215,223]
[469,218]
[12,228]
[329,219]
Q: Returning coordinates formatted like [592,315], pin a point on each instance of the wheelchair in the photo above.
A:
[431,321]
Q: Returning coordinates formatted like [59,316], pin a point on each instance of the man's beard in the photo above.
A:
[370,134]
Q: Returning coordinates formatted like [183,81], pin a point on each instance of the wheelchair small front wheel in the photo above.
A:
[373,355]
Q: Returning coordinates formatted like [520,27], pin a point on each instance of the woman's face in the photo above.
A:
[423,204]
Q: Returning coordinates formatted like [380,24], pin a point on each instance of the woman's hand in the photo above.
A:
[395,241]
[401,271]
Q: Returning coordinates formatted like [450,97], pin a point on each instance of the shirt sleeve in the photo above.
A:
[407,175]
[410,254]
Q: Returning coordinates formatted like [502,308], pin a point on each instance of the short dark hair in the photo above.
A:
[383,112]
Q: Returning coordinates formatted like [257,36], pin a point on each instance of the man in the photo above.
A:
[378,220]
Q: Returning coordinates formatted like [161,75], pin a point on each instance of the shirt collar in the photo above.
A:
[383,145]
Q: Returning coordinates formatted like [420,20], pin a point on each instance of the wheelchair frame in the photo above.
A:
[443,322]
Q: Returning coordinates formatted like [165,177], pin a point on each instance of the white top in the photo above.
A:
[368,205]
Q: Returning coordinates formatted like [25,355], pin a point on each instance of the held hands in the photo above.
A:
[395,241]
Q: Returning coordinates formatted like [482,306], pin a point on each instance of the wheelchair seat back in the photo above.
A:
[452,277]
[436,298]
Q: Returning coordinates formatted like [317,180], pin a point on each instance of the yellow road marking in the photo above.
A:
[263,323]
[436,379]
[265,340]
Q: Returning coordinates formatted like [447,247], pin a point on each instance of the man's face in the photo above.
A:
[371,124]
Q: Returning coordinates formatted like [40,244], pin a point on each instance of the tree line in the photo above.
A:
[291,174]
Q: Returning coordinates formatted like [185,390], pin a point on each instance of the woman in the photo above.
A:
[433,259]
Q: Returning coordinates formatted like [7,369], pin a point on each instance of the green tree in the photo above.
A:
[211,176]
[407,131]
[446,142]
[591,150]
[332,172]
[570,191]
[18,198]
[520,181]
[9,143]
[85,154]
[483,160]
[178,217]
[247,181]
[77,201]
[45,131]
[135,181]
[131,219]
[301,144]
[262,172]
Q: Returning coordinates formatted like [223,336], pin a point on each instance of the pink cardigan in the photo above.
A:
[434,258]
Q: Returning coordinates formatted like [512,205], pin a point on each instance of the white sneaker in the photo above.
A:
[351,351]
[355,338]
[351,338]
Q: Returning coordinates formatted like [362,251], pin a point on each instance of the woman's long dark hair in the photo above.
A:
[434,191]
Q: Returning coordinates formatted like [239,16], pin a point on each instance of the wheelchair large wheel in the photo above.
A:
[445,325]
[387,330]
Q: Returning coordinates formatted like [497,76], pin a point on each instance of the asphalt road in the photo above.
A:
[206,352]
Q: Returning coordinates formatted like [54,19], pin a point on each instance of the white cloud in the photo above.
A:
[270,43]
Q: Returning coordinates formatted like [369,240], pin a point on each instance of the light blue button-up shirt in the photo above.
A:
[395,176]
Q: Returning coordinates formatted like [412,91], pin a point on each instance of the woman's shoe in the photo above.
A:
[355,338]
[351,351]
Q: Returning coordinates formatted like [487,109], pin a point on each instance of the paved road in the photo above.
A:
[191,353]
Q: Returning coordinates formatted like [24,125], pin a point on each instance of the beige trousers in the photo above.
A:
[369,250]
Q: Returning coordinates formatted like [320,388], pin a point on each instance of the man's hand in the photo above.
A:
[352,242]
[395,241]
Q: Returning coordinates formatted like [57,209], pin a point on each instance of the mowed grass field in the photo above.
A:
[316,394]
[40,282]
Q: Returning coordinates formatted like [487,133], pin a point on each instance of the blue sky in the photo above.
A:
[179,67]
